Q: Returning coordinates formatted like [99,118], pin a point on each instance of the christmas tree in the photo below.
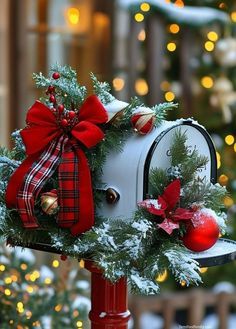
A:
[50,296]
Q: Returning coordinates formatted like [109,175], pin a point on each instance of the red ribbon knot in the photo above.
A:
[48,148]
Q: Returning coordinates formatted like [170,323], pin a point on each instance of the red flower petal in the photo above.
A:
[172,194]
[168,225]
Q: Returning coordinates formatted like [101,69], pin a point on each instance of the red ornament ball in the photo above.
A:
[143,121]
[56,75]
[202,231]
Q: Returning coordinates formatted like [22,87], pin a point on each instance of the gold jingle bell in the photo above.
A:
[49,202]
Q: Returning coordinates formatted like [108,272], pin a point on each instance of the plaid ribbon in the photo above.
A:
[49,147]
[36,178]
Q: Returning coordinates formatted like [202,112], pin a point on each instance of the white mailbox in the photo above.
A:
[127,173]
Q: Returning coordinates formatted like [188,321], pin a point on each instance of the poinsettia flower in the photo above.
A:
[166,207]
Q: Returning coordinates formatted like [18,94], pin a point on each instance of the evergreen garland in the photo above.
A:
[133,247]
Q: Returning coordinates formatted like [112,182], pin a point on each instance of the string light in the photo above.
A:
[58,308]
[2,268]
[29,289]
[235,147]
[162,277]
[145,6]
[7,292]
[212,36]
[218,160]
[229,139]
[8,280]
[179,3]
[169,96]
[73,15]
[139,17]
[75,313]
[222,5]
[55,263]
[183,283]
[207,82]
[209,46]
[14,278]
[223,179]
[228,201]
[174,28]
[28,315]
[118,83]
[233,16]
[11,321]
[23,266]
[141,87]
[142,35]
[171,46]
[203,269]
[79,324]
[81,263]
[48,281]
[165,85]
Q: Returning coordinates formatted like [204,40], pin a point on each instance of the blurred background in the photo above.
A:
[160,50]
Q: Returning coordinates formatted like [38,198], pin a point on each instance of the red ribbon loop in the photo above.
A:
[47,145]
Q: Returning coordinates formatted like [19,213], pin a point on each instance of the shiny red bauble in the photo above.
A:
[143,122]
[202,231]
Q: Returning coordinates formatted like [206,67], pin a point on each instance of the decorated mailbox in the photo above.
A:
[112,182]
[127,173]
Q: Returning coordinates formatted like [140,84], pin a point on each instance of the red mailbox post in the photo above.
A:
[109,301]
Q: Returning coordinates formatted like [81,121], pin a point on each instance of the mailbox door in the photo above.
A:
[159,153]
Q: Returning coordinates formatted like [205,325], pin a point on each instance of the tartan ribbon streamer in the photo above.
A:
[36,177]
[48,147]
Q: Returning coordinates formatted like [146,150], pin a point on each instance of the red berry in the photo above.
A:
[52,99]
[64,123]
[71,115]
[56,75]
[51,89]
[60,108]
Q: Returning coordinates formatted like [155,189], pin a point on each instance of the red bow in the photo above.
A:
[165,207]
[48,147]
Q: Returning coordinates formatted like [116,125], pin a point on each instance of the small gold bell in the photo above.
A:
[49,202]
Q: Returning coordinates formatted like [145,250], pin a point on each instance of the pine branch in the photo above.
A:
[160,111]
[102,90]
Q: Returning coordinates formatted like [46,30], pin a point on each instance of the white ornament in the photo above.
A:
[225,52]
[223,96]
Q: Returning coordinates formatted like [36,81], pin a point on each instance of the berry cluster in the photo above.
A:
[66,118]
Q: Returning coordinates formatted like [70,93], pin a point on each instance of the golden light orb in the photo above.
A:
[212,36]
[209,46]
[145,6]
[229,139]
[171,46]
[118,83]
[174,28]
[169,96]
[139,17]
[207,82]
